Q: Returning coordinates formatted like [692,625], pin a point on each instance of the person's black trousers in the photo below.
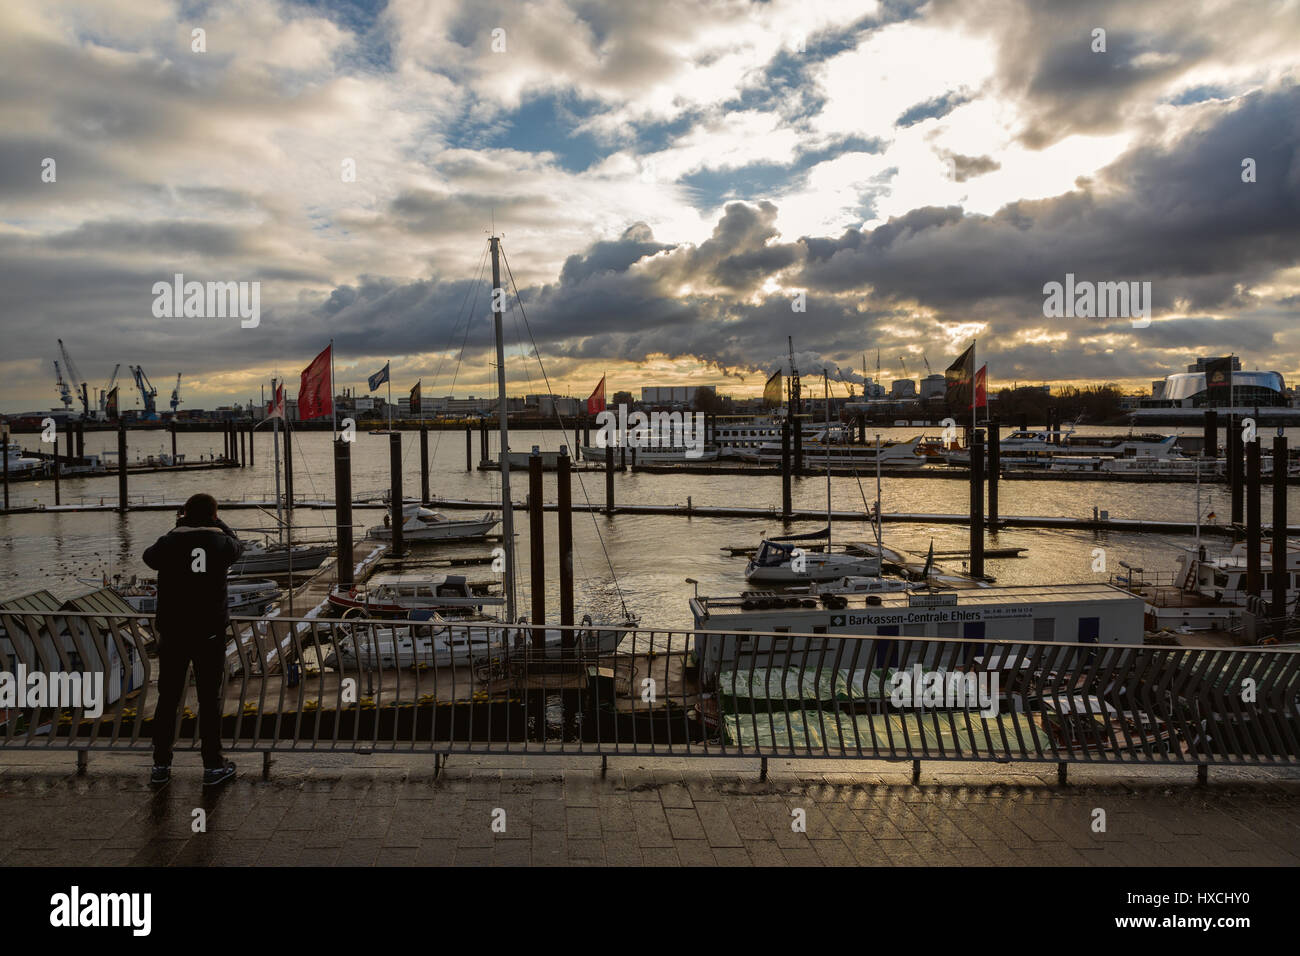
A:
[175,654]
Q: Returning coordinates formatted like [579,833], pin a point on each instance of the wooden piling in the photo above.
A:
[977,503]
[609,479]
[1279,546]
[564,497]
[537,548]
[121,468]
[995,469]
[395,492]
[786,506]
[343,510]
[424,464]
[1254,582]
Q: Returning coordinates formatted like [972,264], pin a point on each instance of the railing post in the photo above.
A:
[1062,774]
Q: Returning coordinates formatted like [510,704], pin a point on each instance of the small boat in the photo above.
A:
[242,597]
[774,564]
[260,557]
[18,463]
[414,596]
[421,524]
[855,584]
[439,644]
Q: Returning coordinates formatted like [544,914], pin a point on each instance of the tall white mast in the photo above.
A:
[507,515]
[275,430]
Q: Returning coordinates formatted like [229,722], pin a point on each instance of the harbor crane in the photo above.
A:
[794,381]
[65,393]
[904,364]
[147,392]
[176,394]
[78,383]
[104,392]
[928,370]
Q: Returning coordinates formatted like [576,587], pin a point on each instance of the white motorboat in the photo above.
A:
[777,563]
[855,584]
[414,595]
[421,524]
[437,643]
[20,464]
[242,597]
[260,557]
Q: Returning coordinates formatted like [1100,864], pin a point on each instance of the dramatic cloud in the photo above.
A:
[679,186]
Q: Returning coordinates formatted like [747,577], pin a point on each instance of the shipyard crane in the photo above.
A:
[103,394]
[904,364]
[78,383]
[65,393]
[928,370]
[147,392]
[176,394]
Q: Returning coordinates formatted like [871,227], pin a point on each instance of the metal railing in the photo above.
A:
[448,687]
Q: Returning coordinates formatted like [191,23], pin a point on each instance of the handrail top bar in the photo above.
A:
[910,638]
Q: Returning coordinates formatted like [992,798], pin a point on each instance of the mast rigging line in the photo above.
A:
[560,420]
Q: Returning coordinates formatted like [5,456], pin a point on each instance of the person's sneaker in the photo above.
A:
[159,775]
[220,775]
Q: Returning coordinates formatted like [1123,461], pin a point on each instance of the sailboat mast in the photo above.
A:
[507,516]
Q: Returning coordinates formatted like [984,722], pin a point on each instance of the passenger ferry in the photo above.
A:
[746,438]
[1039,448]
[823,449]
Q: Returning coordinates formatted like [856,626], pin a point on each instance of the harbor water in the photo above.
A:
[638,560]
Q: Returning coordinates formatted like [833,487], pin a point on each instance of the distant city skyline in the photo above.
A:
[679,186]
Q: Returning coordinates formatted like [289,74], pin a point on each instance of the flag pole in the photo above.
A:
[334,418]
[389,372]
[974,371]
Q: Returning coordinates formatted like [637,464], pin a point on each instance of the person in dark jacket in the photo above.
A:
[192,560]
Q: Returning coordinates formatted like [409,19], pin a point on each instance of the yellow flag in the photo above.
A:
[772,390]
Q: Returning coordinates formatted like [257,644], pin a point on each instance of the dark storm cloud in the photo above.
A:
[1180,217]
[1046,59]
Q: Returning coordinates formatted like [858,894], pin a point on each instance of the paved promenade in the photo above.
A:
[386,810]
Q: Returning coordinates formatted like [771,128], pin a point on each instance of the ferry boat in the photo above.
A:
[412,595]
[823,449]
[1039,448]
[740,439]
[1208,592]
[679,454]
[421,524]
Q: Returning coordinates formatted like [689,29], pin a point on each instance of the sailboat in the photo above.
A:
[436,641]
[281,556]
[776,561]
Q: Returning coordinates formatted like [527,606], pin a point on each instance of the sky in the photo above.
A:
[678,187]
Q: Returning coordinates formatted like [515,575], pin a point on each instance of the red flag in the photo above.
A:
[981,387]
[275,407]
[314,398]
[596,403]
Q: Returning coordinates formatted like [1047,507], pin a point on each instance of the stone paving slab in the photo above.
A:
[352,810]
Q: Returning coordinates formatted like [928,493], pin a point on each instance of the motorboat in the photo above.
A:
[421,524]
[260,557]
[242,597]
[438,643]
[18,463]
[823,450]
[775,563]
[411,595]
